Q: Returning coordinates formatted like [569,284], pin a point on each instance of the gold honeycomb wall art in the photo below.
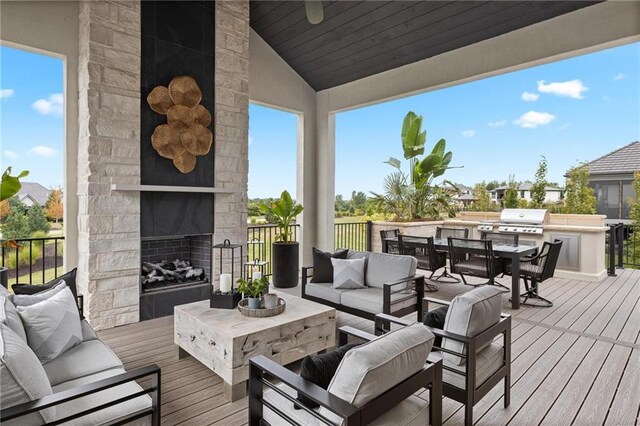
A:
[185,136]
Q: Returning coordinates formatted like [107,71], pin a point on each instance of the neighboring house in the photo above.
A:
[553,195]
[611,177]
[462,194]
[33,193]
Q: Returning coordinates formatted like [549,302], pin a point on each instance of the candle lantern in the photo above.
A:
[255,269]
[226,296]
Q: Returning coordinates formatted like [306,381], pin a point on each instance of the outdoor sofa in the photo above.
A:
[392,287]
[84,385]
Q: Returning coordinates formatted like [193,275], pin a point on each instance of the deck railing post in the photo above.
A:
[612,250]
[369,236]
[620,241]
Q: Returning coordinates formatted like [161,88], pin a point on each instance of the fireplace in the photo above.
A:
[174,270]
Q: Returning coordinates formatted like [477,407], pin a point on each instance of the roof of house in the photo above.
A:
[466,197]
[35,191]
[621,161]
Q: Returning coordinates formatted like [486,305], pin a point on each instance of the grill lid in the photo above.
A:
[524,216]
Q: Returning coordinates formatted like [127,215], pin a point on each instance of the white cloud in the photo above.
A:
[572,89]
[51,106]
[533,119]
[11,155]
[499,123]
[6,93]
[469,133]
[530,97]
[43,151]
[620,76]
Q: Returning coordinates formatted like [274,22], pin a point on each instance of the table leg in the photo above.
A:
[182,353]
[234,392]
[515,282]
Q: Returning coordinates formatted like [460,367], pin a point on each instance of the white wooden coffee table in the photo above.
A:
[224,340]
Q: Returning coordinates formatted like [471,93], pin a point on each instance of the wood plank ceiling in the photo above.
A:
[357,39]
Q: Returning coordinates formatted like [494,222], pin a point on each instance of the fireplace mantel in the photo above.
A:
[169,188]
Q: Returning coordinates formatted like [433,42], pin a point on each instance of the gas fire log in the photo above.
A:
[168,272]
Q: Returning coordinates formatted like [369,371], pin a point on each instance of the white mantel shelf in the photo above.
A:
[167,188]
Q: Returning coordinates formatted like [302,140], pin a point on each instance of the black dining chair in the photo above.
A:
[391,247]
[442,233]
[537,269]
[424,250]
[474,258]
[503,239]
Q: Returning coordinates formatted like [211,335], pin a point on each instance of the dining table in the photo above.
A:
[515,253]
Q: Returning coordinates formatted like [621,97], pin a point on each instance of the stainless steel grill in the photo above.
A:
[518,221]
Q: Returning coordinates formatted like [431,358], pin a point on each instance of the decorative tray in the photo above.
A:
[262,312]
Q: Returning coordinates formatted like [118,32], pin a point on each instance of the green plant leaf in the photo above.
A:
[430,163]
[408,119]
[394,162]
[439,148]
[10,184]
[411,145]
[447,158]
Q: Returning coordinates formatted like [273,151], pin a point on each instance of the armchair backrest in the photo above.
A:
[444,232]
[390,233]
[461,250]
[547,259]
[499,238]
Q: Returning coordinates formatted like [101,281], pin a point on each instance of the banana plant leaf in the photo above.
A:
[431,163]
[413,139]
[393,162]
[439,148]
[446,159]
[11,184]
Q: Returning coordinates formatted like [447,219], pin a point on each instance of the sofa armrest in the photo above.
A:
[58,398]
[383,320]
[307,272]
[403,280]
[418,286]
[80,304]
[346,331]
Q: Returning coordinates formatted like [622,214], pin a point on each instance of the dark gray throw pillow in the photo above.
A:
[69,279]
[322,267]
[435,319]
[320,369]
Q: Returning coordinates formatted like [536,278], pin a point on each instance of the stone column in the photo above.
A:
[231,119]
[109,152]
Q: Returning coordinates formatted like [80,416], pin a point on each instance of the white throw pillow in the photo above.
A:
[52,325]
[348,273]
[32,299]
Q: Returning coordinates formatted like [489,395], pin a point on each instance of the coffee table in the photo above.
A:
[224,340]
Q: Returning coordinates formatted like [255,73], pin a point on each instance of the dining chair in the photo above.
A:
[474,258]
[537,269]
[504,239]
[424,250]
[442,233]
[392,247]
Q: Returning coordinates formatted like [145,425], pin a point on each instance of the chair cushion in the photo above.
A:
[370,299]
[386,268]
[52,326]
[348,273]
[373,368]
[413,411]
[88,333]
[22,377]
[322,267]
[469,314]
[10,317]
[4,291]
[109,415]
[85,359]
[326,292]
[488,361]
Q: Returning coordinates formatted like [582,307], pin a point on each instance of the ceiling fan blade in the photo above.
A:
[315,11]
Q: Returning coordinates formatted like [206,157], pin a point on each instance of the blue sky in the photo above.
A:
[574,110]
[31,119]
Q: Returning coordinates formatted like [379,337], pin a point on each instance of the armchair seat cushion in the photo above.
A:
[488,361]
[326,292]
[87,358]
[413,411]
[109,415]
[370,299]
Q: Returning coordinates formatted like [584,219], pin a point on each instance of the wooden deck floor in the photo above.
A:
[577,363]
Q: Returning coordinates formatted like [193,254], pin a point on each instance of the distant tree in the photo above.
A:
[53,208]
[483,198]
[37,220]
[579,196]
[511,194]
[4,209]
[523,204]
[492,185]
[341,205]
[16,225]
[358,200]
[538,189]
[15,205]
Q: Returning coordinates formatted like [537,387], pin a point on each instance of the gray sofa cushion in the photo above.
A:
[109,415]
[87,331]
[371,369]
[370,299]
[325,291]
[52,326]
[87,358]
[348,273]
[22,377]
[10,317]
[4,291]
[469,314]
[488,361]
[383,268]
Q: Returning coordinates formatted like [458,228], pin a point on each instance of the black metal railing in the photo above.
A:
[622,247]
[354,235]
[33,260]
[259,240]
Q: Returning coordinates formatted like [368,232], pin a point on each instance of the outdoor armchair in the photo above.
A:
[443,233]
[374,384]
[423,249]
[391,247]
[474,258]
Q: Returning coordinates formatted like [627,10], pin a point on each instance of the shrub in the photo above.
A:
[24,256]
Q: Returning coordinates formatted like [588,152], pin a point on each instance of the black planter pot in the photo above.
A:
[4,277]
[285,264]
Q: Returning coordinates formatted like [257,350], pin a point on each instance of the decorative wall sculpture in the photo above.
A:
[185,135]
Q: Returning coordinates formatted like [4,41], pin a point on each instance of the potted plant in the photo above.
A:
[253,289]
[284,252]
[9,186]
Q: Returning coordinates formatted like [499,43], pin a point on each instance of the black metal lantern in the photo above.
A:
[227,299]
[251,266]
